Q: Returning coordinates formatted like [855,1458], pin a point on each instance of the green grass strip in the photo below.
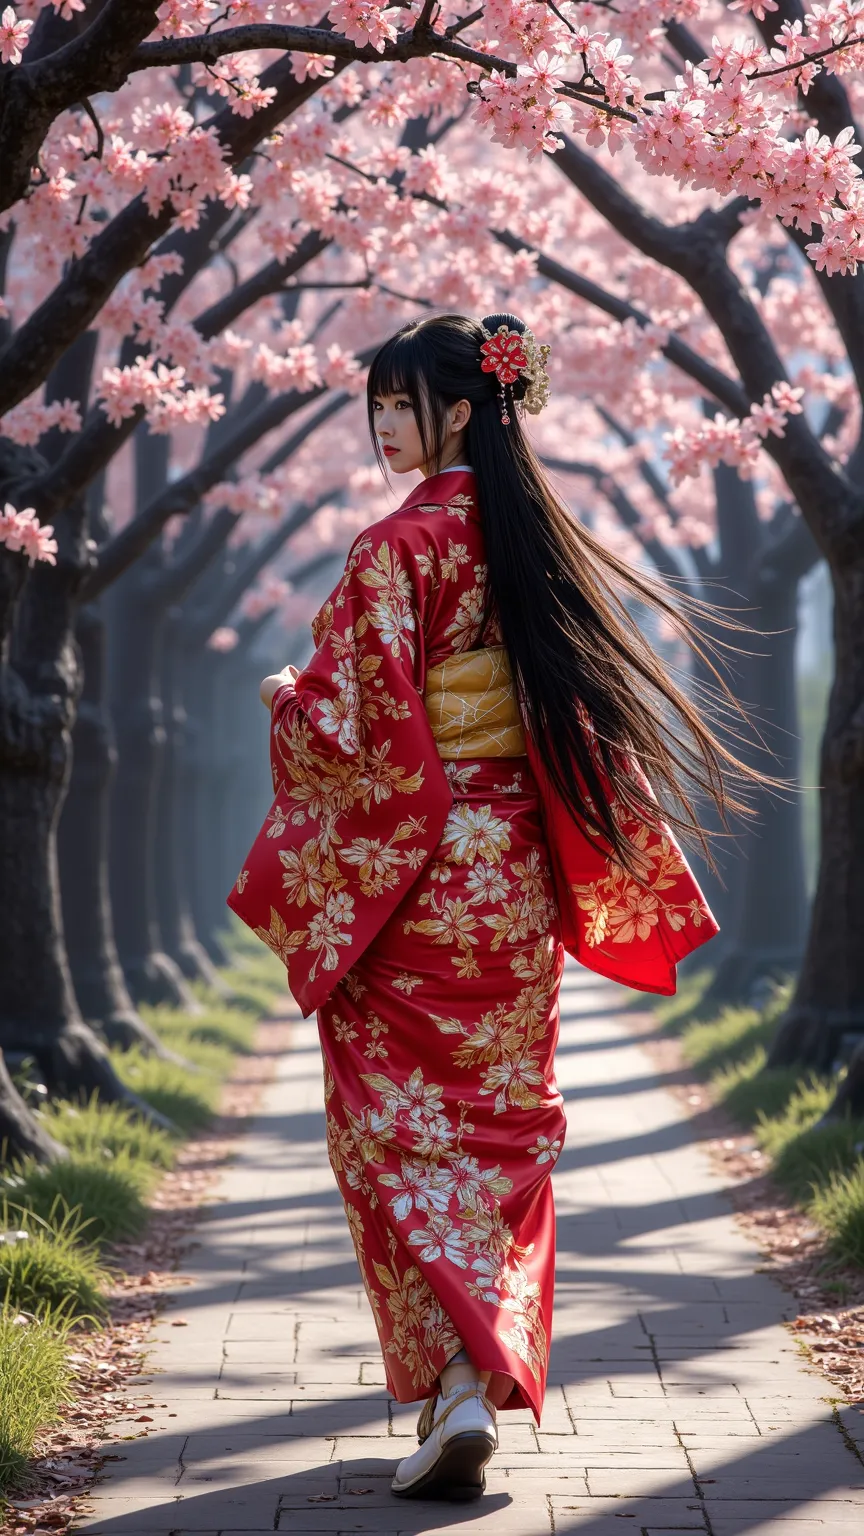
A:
[34,1383]
[819,1166]
[50,1268]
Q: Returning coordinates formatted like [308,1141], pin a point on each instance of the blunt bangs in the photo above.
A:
[401,368]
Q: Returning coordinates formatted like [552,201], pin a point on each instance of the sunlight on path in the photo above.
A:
[676,1400]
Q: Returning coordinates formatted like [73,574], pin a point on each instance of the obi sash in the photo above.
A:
[471,705]
[630,931]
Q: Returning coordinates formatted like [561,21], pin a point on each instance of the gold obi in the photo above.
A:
[471,704]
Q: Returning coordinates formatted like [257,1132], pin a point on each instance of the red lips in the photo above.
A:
[390,451]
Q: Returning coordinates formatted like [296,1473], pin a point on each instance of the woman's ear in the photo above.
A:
[461,415]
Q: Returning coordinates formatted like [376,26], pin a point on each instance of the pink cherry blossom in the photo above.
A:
[14,36]
[30,420]
[269,594]
[342,370]
[223,639]
[22,532]
[364,22]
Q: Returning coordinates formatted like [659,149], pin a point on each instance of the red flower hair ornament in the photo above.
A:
[513,355]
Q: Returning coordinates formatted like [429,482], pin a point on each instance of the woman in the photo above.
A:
[457,801]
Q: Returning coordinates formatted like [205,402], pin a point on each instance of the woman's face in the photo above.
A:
[397,430]
[398,433]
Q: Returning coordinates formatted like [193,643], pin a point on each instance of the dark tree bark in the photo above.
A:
[39,684]
[137,619]
[175,793]
[98,979]
[829,1000]
[21,1134]
[770,918]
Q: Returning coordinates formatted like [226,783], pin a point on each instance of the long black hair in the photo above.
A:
[559,598]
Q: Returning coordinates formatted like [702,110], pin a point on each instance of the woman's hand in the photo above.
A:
[277,680]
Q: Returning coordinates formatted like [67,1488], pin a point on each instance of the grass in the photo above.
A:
[105,1130]
[34,1383]
[56,1220]
[50,1268]
[819,1166]
[839,1207]
[106,1195]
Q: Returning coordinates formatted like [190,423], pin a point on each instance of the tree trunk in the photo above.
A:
[39,686]
[39,1015]
[21,1134]
[175,804]
[771,917]
[250,790]
[203,831]
[826,1015]
[136,708]
[100,987]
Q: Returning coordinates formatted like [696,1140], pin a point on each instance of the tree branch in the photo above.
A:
[189,489]
[697,252]
[663,558]
[788,557]
[124,243]
[420,42]
[269,279]
[725,390]
[655,484]
[176,580]
[673,245]
[827,100]
[202,624]
[686,43]
[99,440]
[289,447]
[34,93]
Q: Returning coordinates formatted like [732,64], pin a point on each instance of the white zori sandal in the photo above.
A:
[457,1436]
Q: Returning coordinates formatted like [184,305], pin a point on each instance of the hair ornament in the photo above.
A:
[513,355]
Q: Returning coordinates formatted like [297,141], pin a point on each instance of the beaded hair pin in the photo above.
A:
[512,355]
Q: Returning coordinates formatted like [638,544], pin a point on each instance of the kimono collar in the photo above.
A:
[443,487]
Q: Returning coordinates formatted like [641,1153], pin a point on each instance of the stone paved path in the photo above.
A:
[676,1401]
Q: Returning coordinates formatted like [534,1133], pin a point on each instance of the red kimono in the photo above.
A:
[409,889]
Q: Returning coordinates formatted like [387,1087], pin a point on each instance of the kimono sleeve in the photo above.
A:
[634,931]
[361,795]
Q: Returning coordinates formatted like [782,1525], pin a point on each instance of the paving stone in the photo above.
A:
[743,1515]
[279,1394]
[644,1482]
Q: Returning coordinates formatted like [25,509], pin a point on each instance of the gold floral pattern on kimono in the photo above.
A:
[504,1038]
[622,909]
[449,1204]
